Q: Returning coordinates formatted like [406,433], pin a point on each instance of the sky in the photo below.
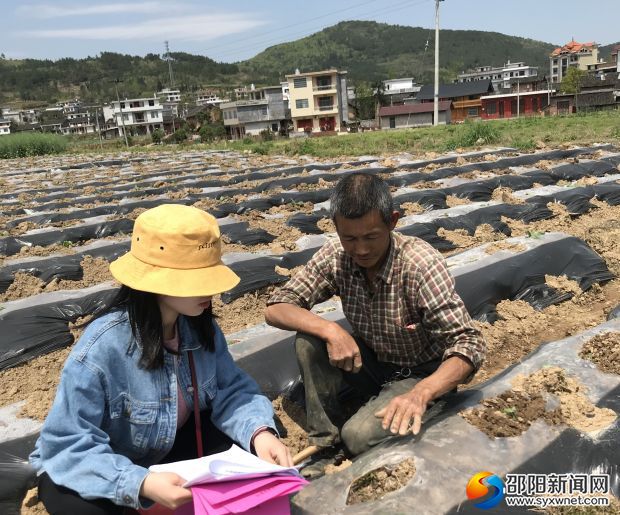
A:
[234,31]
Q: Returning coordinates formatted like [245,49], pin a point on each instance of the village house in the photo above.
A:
[595,94]
[500,76]
[465,97]
[413,115]
[400,91]
[260,110]
[78,123]
[5,127]
[135,115]
[169,95]
[514,105]
[208,97]
[581,55]
[318,101]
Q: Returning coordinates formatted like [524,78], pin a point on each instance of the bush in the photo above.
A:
[266,135]
[31,144]
[157,136]
[210,132]
[180,136]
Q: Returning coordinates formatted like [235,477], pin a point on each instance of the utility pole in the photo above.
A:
[518,99]
[98,127]
[121,109]
[436,96]
[169,59]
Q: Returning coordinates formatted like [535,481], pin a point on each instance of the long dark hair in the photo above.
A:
[146,324]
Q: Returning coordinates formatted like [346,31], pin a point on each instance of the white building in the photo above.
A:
[500,76]
[78,123]
[208,98]
[136,115]
[400,86]
[169,95]
[5,127]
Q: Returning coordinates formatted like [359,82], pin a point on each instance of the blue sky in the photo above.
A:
[233,31]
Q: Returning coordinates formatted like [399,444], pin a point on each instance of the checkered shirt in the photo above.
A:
[413,316]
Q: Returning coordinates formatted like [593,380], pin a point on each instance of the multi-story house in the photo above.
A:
[465,97]
[318,100]
[501,77]
[261,110]
[581,55]
[169,95]
[400,91]
[135,115]
[207,97]
[78,123]
[12,115]
[5,127]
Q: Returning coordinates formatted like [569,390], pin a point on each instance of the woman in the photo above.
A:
[131,382]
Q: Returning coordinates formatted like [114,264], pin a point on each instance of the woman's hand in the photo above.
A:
[269,448]
[165,488]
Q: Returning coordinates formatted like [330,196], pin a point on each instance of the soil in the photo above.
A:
[549,395]
[412,208]
[380,482]
[604,351]
[504,245]
[454,201]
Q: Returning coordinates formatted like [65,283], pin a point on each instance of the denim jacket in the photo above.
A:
[112,419]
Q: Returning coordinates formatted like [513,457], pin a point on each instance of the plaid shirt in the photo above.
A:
[414,314]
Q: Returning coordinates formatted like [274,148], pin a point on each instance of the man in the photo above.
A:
[412,339]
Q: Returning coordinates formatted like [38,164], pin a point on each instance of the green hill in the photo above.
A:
[369,51]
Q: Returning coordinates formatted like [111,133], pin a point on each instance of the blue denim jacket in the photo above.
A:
[112,419]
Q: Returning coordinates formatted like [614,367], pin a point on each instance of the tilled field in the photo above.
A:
[64,219]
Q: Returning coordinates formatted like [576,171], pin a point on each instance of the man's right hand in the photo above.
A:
[342,349]
[165,488]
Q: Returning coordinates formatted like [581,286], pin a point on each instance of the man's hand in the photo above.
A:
[342,349]
[269,448]
[165,488]
[398,414]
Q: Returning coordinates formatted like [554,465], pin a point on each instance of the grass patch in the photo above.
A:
[526,133]
[31,144]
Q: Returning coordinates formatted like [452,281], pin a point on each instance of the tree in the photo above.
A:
[571,83]
[364,101]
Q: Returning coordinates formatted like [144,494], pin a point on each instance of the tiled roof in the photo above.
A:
[428,107]
[572,48]
[459,89]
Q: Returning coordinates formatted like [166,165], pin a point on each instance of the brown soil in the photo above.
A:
[504,194]
[461,238]
[512,412]
[326,225]
[412,208]
[604,351]
[454,201]
[291,424]
[522,329]
[24,285]
[381,481]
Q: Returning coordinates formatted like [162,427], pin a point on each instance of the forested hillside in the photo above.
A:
[370,51]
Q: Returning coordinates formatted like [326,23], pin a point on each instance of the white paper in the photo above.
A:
[235,463]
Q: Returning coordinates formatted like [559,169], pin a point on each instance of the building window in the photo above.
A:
[153,114]
[392,122]
[274,127]
[472,111]
[151,103]
[263,110]
[492,108]
[326,103]
[122,105]
[300,82]
[302,103]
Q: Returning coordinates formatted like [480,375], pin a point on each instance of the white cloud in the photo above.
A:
[60,11]
[200,27]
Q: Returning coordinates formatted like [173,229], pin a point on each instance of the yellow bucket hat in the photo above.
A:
[176,251]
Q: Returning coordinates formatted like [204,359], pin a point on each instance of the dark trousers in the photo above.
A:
[377,382]
[59,500]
